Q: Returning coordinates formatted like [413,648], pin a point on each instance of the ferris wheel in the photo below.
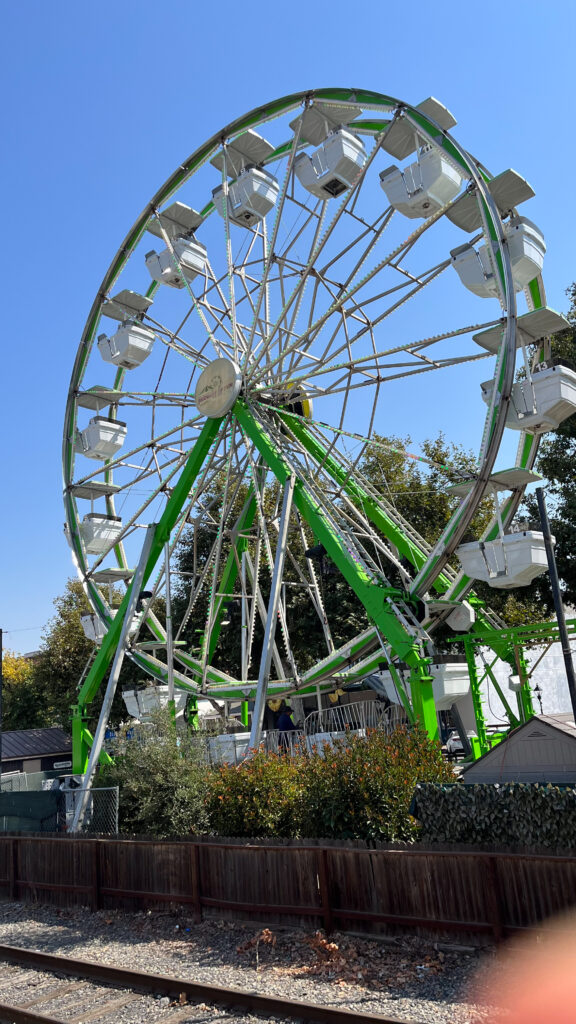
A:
[330,270]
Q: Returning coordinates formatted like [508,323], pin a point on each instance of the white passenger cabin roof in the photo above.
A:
[114,574]
[503,480]
[319,119]
[400,140]
[177,220]
[249,148]
[508,188]
[98,397]
[93,489]
[126,304]
[535,325]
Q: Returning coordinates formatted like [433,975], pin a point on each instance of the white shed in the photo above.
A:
[541,750]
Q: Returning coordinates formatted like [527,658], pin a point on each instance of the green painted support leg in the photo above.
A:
[423,700]
[80,746]
[476,698]
[82,742]
[514,722]
[193,717]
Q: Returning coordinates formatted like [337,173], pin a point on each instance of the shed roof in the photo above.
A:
[543,749]
[23,743]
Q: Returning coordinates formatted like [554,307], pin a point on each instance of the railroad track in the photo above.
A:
[44,988]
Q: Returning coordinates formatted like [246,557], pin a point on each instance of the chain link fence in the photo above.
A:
[101,811]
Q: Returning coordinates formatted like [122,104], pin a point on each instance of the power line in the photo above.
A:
[25,629]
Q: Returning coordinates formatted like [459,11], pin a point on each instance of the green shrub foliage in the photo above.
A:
[509,814]
[160,776]
[359,791]
[257,798]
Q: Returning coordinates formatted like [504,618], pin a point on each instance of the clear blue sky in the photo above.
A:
[102,100]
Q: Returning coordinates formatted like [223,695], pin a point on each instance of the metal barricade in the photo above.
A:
[279,742]
[354,717]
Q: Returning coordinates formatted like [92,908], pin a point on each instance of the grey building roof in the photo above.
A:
[543,749]
[23,743]
[558,721]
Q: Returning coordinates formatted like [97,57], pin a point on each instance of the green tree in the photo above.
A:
[23,706]
[64,651]
[64,654]
[420,490]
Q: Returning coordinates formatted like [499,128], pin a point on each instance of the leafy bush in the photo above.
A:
[364,790]
[160,774]
[359,791]
[506,814]
[257,798]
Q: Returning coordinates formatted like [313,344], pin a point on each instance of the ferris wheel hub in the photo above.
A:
[218,388]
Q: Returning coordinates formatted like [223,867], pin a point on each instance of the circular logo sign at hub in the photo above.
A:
[218,388]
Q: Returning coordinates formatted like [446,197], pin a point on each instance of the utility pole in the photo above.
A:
[1,707]
[558,606]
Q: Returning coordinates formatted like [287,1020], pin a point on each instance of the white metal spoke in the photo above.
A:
[274,606]
[269,255]
[229,252]
[263,528]
[353,290]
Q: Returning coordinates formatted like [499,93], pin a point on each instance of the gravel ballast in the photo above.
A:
[406,978]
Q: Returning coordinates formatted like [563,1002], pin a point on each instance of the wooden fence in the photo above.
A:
[334,887]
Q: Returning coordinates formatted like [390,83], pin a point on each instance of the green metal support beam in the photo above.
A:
[476,697]
[514,722]
[369,591]
[412,552]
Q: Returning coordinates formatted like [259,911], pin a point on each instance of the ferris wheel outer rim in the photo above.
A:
[182,173]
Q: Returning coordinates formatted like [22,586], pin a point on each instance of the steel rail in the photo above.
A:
[164,984]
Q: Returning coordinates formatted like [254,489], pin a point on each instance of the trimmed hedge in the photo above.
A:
[505,814]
